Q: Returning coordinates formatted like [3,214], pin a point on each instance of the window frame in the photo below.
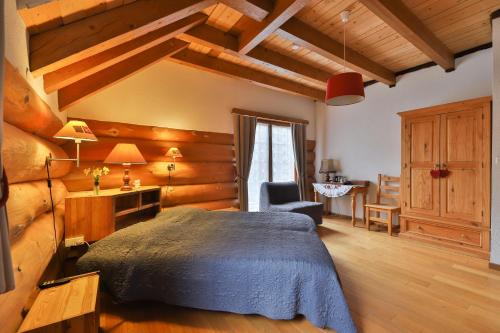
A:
[270,125]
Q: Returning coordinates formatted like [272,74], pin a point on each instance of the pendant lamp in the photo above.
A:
[345,88]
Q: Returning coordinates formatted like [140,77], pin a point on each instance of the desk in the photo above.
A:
[94,216]
[333,190]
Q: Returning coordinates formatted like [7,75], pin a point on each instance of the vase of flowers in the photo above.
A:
[96,174]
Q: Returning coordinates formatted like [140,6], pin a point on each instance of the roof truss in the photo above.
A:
[87,54]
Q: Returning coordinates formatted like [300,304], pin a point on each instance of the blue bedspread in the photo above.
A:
[272,264]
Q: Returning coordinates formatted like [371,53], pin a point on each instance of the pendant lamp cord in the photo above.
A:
[344,46]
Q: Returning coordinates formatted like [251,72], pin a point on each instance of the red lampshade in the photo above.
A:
[125,153]
[344,89]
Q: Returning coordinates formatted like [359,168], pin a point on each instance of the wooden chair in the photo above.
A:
[387,190]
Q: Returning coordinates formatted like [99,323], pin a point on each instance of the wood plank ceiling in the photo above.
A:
[81,47]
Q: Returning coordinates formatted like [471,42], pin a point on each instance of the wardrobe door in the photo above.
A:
[462,156]
[421,155]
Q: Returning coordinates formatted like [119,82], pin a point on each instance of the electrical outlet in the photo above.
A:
[74,241]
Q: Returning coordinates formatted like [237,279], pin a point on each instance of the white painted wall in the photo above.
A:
[172,95]
[16,51]
[366,137]
[495,170]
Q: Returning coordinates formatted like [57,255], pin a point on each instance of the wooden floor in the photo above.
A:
[391,285]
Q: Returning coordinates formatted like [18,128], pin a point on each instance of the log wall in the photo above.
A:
[204,177]
[28,128]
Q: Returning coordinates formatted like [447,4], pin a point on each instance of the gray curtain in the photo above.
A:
[244,139]
[6,272]
[300,151]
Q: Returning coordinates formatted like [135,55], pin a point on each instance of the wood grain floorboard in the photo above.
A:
[391,285]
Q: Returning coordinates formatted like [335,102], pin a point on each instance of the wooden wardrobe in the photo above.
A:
[450,207]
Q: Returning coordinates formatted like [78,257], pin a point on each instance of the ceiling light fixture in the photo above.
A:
[347,87]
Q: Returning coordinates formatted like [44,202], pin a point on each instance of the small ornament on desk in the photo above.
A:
[96,174]
[137,184]
[340,179]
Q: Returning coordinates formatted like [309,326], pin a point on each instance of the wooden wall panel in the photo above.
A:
[154,151]
[131,131]
[155,173]
[30,254]
[24,108]
[206,172]
[213,205]
[29,200]
[24,156]
[28,123]
[186,194]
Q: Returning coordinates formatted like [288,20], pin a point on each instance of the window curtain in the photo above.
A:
[244,139]
[6,272]
[300,152]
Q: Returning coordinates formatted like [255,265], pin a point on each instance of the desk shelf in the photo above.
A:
[96,216]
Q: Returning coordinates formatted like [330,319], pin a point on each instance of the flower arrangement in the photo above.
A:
[96,174]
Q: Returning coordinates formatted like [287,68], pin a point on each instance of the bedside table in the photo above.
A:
[95,216]
[70,308]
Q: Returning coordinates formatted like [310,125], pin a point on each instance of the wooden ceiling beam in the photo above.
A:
[92,84]
[225,42]
[404,22]
[253,32]
[70,43]
[219,66]
[312,39]
[76,71]
[255,9]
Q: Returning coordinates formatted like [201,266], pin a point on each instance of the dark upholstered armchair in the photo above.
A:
[284,197]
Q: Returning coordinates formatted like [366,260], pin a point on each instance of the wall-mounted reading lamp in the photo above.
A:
[74,130]
[173,153]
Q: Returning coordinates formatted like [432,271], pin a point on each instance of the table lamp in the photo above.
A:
[125,154]
[327,167]
[73,130]
[173,153]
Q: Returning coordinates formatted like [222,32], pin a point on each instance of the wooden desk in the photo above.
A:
[362,190]
[70,308]
[96,216]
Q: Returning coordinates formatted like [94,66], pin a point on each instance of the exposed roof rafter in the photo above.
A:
[253,32]
[403,21]
[111,75]
[225,42]
[76,71]
[219,66]
[310,38]
[255,9]
[72,42]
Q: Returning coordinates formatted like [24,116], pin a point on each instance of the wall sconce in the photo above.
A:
[74,130]
[173,153]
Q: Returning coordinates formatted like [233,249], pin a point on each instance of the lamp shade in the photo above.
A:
[327,165]
[76,130]
[125,153]
[174,152]
[344,89]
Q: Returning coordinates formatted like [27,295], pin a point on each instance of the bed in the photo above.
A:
[272,264]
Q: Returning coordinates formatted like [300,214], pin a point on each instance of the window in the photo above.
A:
[273,159]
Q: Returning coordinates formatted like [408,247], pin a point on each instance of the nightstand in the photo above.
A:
[72,307]
[95,216]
